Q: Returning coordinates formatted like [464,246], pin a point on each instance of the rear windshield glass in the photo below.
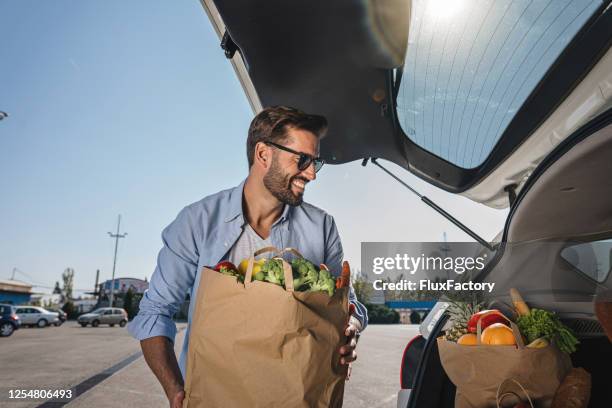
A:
[591,258]
[471,64]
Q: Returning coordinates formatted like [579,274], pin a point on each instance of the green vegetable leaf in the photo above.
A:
[541,323]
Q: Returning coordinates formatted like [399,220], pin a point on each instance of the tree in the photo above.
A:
[68,279]
[381,314]
[363,289]
[57,290]
[70,309]
[128,303]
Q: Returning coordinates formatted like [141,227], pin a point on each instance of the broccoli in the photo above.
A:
[305,270]
[306,276]
[329,285]
[299,265]
[273,271]
[310,277]
[324,285]
[298,283]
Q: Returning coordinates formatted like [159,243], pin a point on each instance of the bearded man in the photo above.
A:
[266,209]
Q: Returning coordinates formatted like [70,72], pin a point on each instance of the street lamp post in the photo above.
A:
[116,236]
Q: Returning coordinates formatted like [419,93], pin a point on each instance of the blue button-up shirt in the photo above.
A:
[203,234]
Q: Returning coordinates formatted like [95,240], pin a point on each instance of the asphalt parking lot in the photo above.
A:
[105,365]
[59,357]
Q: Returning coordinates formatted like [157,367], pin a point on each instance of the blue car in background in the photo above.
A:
[9,321]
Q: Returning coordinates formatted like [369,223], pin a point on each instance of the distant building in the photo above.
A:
[46,299]
[15,292]
[122,285]
[84,305]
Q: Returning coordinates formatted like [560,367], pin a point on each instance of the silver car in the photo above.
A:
[36,316]
[105,315]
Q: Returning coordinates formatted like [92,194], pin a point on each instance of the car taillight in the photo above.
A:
[14,317]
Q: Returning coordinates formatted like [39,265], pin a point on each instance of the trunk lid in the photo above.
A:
[467,95]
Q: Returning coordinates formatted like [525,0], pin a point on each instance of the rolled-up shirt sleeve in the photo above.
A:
[333,259]
[171,281]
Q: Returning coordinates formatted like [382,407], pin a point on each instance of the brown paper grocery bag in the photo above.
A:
[510,389]
[259,345]
[477,371]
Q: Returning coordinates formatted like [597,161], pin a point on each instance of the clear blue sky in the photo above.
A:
[132,108]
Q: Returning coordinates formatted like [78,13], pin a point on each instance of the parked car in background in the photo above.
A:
[61,315]
[105,315]
[36,316]
[9,321]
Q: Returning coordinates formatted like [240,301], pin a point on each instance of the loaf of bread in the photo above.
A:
[574,391]
[603,311]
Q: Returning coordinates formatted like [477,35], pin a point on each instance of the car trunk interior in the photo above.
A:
[569,201]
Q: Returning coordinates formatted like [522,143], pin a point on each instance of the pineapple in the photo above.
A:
[455,333]
[460,312]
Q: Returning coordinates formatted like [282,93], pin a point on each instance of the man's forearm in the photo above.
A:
[159,354]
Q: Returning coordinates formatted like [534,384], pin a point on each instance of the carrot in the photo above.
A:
[344,280]
[345,276]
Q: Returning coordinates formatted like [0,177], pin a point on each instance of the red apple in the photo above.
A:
[487,318]
[225,264]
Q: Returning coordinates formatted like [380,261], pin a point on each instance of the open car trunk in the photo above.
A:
[566,203]
[485,99]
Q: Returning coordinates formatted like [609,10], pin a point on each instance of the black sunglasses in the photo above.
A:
[305,159]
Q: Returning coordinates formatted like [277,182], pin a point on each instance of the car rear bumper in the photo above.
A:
[403,396]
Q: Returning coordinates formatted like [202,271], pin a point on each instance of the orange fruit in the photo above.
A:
[468,339]
[498,334]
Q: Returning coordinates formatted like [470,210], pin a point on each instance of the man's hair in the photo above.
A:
[272,125]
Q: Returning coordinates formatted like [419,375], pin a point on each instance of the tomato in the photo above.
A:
[226,264]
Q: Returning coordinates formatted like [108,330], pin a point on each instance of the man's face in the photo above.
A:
[283,179]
